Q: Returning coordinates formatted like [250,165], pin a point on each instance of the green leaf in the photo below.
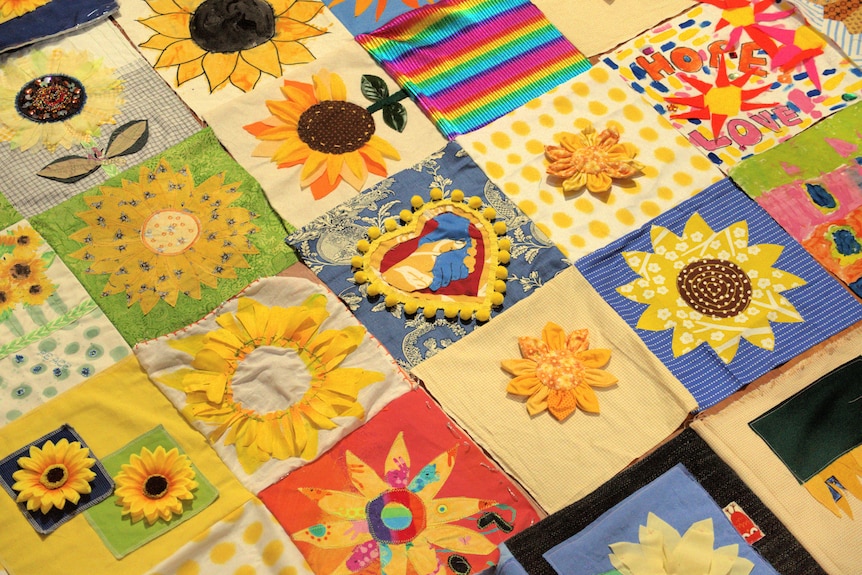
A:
[69,169]
[374,88]
[128,139]
[48,258]
[395,116]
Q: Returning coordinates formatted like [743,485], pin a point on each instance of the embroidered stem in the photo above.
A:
[37,315]
[380,104]
[73,315]
[13,325]
[57,304]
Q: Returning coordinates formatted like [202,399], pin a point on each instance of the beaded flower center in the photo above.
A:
[51,98]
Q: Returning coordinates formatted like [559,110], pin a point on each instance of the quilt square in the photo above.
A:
[426,255]
[589,161]
[164,243]
[54,478]
[719,291]
[812,186]
[468,62]
[360,16]
[30,20]
[737,81]
[409,488]
[840,20]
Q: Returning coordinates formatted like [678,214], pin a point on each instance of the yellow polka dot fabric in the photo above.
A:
[512,153]
[248,541]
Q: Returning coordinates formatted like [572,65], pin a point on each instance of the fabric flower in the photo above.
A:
[592,159]
[317,128]
[558,373]
[53,475]
[395,521]
[155,484]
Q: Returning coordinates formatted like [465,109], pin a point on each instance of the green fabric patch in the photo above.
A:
[816,426]
[119,534]
[8,214]
[204,157]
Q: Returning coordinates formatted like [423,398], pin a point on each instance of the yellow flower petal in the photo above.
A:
[173,25]
[265,58]
[219,67]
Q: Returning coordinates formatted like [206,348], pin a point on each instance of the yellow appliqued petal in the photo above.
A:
[154,484]
[53,475]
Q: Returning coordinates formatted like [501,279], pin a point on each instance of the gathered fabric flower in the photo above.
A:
[592,159]
[558,373]
[155,484]
[317,128]
[53,475]
[10,9]
[396,521]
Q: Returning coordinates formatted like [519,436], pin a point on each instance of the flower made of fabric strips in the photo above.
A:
[711,287]
[53,475]
[592,159]
[154,484]
[394,521]
[271,423]
[558,373]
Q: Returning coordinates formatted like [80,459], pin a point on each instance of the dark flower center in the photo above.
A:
[35,289]
[52,98]
[335,127]
[20,271]
[226,26]
[54,476]
[718,288]
[155,486]
[3,297]
[23,241]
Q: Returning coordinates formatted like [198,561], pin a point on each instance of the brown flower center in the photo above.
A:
[335,127]
[54,476]
[155,486]
[35,289]
[558,369]
[713,287]
[52,98]
[20,271]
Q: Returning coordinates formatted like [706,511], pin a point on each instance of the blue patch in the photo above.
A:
[660,87]
[687,24]
[611,64]
[667,46]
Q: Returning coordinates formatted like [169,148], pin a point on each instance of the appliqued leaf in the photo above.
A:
[395,116]
[374,88]
[69,169]
[128,139]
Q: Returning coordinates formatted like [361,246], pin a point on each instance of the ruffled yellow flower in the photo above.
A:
[10,9]
[163,236]
[56,99]
[155,484]
[289,427]
[662,551]
[558,373]
[711,287]
[53,475]
[231,40]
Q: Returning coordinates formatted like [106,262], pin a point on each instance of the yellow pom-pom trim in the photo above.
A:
[457,196]
[390,224]
[360,278]
[475,202]
[363,246]
[505,244]
[489,213]
[496,299]
[411,307]
[356,262]
[430,311]
[499,228]
[374,232]
[405,215]
[374,289]
[500,286]
[503,256]
[502,273]
[436,194]
[466,314]
[417,202]
[450,311]
[485,314]
[391,300]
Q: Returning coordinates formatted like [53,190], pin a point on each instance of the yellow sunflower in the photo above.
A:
[231,40]
[56,99]
[164,235]
[22,270]
[155,484]
[10,9]
[53,475]
[317,128]
[395,520]
[711,287]
[283,416]
[558,373]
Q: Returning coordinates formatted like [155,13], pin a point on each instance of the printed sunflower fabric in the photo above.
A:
[78,110]
[275,377]
[324,132]
[812,186]
[408,492]
[589,161]
[164,243]
[840,20]
[795,440]
[737,78]
[426,256]
[211,51]
[53,334]
[544,378]
[25,21]
[719,292]
[98,410]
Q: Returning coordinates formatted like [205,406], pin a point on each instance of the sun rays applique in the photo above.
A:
[711,286]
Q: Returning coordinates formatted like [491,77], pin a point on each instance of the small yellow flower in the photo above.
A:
[53,475]
[154,484]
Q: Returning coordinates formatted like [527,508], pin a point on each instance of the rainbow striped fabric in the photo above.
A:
[468,62]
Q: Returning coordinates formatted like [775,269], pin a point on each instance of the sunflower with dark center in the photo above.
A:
[53,475]
[155,484]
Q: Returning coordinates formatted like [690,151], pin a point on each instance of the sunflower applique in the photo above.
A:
[154,484]
[53,475]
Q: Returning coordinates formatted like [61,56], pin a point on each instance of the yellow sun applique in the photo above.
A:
[22,270]
[558,373]
[711,287]
[155,484]
[10,9]
[396,518]
[832,485]
[56,99]
[231,41]
[164,235]
[53,475]
[592,159]
[363,5]
[317,128]
[270,379]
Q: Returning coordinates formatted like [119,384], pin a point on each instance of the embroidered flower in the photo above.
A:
[592,159]
[53,475]
[558,373]
[396,522]
[155,484]
[56,99]
[661,550]
[281,419]
[10,9]
[716,292]
[231,40]
[163,235]
[317,128]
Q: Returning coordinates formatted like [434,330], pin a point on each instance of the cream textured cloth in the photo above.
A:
[558,462]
